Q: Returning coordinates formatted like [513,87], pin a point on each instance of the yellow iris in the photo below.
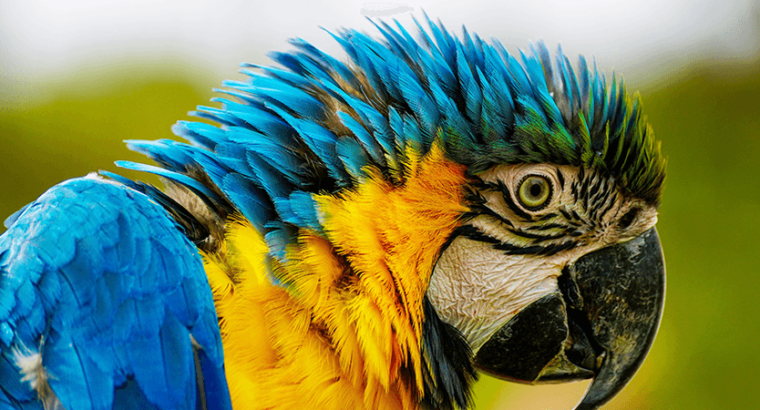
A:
[534,191]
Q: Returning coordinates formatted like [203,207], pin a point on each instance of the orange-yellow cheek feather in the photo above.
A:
[345,332]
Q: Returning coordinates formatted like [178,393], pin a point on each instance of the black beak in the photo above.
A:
[600,323]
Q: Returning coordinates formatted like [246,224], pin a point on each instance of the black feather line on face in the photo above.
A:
[547,217]
[473,233]
[574,190]
[449,372]
[511,203]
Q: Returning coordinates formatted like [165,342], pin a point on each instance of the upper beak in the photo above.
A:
[600,323]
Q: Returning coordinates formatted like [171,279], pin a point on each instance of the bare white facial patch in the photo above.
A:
[477,288]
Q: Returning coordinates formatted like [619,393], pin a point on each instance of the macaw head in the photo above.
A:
[556,272]
[556,275]
[433,207]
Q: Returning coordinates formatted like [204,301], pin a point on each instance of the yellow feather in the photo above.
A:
[346,332]
[249,250]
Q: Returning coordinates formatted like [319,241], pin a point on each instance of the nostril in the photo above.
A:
[629,217]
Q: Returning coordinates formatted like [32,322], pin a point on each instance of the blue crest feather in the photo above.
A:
[315,123]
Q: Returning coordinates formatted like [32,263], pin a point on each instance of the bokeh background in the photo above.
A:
[77,77]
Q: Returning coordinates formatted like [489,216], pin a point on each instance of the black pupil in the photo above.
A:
[535,189]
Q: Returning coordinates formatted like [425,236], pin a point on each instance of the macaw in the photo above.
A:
[361,234]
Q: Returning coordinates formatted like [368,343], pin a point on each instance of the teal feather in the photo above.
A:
[413,134]
[419,102]
[396,124]
[471,89]
[268,177]
[325,61]
[259,119]
[395,40]
[215,115]
[169,154]
[287,76]
[205,135]
[304,205]
[367,141]
[249,199]
[198,188]
[316,123]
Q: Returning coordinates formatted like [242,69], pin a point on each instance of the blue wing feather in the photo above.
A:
[97,280]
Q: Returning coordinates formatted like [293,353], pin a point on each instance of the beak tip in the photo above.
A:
[626,333]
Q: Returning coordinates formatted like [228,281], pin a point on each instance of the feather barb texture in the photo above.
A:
[342,329]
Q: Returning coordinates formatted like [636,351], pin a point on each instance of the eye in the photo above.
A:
[534,192]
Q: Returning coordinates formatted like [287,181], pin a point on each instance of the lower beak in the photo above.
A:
[600,324]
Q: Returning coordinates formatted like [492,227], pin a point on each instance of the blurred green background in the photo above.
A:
[706,112]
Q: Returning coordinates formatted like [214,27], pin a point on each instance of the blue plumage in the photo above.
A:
[363,136]
[103,279]
[98,281]
[352,155]
[195,186]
